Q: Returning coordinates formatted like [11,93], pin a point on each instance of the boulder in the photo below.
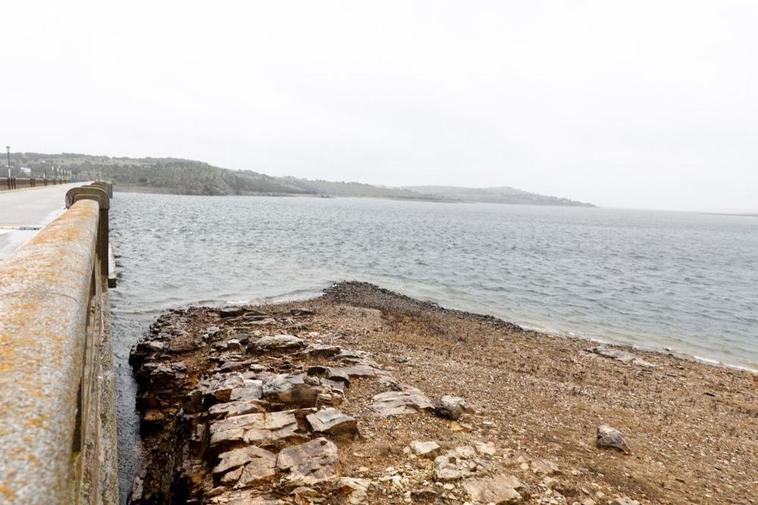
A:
[611,438]
[409,400]
[333,422]
[309,463]
[451,407]
[498,489]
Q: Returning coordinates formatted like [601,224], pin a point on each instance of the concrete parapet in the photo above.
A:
[57,411]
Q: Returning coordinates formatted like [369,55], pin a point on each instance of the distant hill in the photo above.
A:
[179,176]
[501,194]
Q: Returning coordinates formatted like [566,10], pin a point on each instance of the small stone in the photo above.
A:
[332,421]
[356,489]
[425,449]
[624,500]
[451,407]
[457,464]
[611,438]
[544,467]
[485,449]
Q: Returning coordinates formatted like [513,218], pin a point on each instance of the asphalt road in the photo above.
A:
[23,212]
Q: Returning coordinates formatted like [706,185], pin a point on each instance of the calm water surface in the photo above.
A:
[683,281]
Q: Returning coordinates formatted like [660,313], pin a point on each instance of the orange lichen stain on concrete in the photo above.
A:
[37,421]
[7,492]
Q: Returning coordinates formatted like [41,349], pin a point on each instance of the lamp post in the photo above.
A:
[8,153]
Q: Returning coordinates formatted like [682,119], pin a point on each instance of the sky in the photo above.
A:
[635,104]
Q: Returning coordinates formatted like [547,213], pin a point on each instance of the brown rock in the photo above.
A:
[332,421]
[611,438]
[259,428]
[407,401]
[309,463]
[451,407]
[499,489]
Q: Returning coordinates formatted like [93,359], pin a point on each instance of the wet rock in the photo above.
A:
[254,428]
[226,312]
[309,463]
[246,466]
[282,342]
[451,407]
[619,355]
[499,489]
[428,449]
[301,311]
[457,464]
[611,438]
[407,401]
[333,422]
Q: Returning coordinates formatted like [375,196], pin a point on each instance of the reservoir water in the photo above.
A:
[682,281]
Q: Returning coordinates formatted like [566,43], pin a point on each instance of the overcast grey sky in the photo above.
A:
[648,104]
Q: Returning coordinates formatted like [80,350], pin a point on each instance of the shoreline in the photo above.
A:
[536,401]
[309,295]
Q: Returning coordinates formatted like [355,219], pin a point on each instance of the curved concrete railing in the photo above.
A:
[57,417]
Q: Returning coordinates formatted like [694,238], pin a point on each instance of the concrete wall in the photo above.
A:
[57,401]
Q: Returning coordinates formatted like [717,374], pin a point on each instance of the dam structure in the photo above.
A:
[57,395]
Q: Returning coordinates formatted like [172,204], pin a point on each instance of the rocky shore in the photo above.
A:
[367,396]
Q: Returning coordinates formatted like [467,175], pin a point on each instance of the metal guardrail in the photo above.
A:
[8,183]
[57,411]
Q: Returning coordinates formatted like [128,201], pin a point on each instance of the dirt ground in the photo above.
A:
[691,428]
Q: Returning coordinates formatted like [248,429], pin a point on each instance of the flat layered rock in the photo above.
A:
[408,400]
[309,463]
[333,422]
[252,389]
[237,408]
[246,466]
[254,428]
[292,390]
[279,343]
